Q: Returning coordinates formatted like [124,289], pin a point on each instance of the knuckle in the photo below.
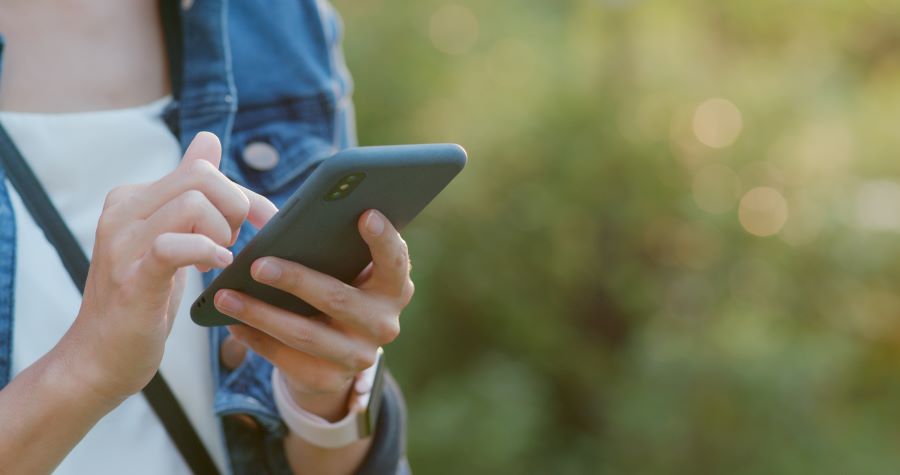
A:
[158,247]
[161,248]
[119,194]
[400,262]
[338,299]
[193,199]
[361,359]
[207,248]
[409,289]
[401,256]
[243,205]
[192,206]
[387,331]
[113,197]
[106,225]
[221,233]
[207,243]
[300,337]
[202,170]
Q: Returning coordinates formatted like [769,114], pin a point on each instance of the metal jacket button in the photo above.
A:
[261,156]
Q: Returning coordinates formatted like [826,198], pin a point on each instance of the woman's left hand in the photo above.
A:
[320,356]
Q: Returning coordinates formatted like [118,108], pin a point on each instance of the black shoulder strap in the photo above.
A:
[170,15]
[157,392]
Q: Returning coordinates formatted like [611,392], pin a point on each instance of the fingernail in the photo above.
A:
[375,223]
[224,256]
[228,303]
[268,271]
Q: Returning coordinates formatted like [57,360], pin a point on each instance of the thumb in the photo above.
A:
[205,146]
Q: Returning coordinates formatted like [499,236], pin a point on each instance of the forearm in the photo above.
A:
[45,411]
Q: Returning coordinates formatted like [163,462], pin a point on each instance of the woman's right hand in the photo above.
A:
[147,234]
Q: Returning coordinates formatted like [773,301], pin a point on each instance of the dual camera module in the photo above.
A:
[344,186]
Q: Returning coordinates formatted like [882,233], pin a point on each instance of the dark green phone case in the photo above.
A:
[319,229]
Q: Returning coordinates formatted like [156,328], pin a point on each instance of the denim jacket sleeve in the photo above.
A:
[256,71]
[254,431]
[256,447]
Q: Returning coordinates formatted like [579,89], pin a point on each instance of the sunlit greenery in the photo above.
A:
[675,248]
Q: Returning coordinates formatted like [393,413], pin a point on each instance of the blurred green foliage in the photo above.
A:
[600,291]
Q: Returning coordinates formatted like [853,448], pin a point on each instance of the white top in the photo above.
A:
[79,157]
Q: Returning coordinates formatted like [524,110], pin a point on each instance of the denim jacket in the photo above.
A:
[252,72]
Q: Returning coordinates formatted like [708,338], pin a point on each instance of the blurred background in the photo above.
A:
[675,248]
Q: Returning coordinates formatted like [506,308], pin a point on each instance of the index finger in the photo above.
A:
[261,209]
[199,169]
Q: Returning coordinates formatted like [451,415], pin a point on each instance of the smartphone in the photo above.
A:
[317,226]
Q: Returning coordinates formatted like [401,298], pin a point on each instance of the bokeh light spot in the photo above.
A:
[453,29]
[763,211]
[878,205]
[717,123]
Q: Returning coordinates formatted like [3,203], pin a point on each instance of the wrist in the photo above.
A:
[78,367]
[360,413]
[68,372]
[331,406]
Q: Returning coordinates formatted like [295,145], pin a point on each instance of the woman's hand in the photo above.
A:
[320,355]
[146,235]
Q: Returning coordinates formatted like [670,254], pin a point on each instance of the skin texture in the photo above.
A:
[320,356]
[146,235]
[79,55]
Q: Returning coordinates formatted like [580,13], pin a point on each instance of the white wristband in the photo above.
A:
[318,431]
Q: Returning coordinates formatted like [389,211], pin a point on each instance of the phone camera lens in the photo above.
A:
[344,187]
